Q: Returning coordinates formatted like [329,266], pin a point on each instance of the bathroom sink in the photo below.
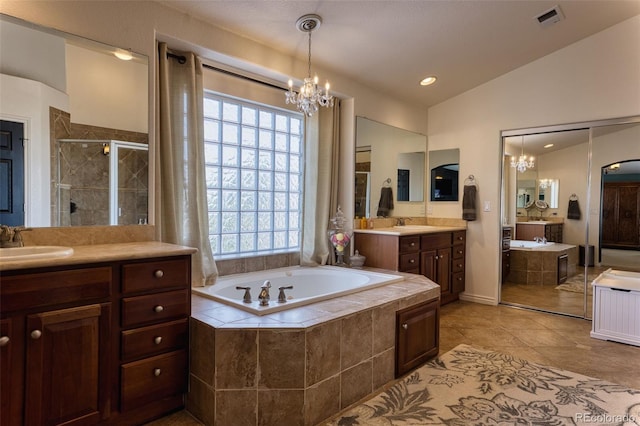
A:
[34,252]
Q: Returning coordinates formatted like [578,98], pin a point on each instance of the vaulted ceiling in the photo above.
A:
[391,45]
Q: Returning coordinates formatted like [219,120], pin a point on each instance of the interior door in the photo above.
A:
[11,173]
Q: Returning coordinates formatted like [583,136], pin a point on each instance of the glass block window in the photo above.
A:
[253,161]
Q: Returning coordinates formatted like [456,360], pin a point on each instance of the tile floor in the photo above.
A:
[543,338]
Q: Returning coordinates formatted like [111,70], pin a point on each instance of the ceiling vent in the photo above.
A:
[550,16]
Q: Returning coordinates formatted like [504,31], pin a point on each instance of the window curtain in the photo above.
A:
[181,197]
[322,147]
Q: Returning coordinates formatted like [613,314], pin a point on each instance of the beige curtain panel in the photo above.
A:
[322,147]
[181,197]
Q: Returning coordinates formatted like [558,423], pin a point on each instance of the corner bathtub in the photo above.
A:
[310,285]
[527,245]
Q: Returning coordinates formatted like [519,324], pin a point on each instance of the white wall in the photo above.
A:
[595,78]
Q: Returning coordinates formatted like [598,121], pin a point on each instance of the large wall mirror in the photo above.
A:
[82,113]
[389,158]
[581,194]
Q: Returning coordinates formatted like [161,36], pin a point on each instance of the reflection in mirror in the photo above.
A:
[586,201]
[444,166]
[376,144]
[548,192]
[411,176]
[59,86]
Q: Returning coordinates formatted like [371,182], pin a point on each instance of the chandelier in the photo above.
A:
[309,96]
[523,162]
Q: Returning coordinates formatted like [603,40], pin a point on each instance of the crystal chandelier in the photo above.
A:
[309,96]
[523,162]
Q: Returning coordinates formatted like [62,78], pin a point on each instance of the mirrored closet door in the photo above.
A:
[570,210]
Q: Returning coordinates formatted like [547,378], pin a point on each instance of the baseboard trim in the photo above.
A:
[484,300]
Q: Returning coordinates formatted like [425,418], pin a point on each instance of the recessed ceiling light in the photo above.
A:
[549,145]
[428,80]
[125,55]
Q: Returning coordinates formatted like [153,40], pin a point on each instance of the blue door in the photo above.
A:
[11,173]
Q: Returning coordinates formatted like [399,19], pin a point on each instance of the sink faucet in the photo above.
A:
[401,221]
[542,240]
[10,235]
[264,293]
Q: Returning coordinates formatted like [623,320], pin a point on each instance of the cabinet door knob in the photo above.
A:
[157,340]
[460,238]
[158,273]
[35,334]
[412,244]
[157,372]
[4,341]
[437,258]
[459,265]
[412,261]
[405,326]
[159,308]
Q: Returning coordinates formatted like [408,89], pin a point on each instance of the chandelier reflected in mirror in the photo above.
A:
[310,96]
[523,163]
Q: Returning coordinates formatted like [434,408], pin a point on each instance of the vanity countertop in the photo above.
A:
[410,230]
[101,253]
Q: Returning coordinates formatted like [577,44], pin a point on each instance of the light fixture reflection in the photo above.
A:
[523,162]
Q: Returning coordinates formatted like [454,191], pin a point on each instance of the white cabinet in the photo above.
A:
[616,307]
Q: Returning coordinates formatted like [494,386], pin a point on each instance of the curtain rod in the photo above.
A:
[181,59]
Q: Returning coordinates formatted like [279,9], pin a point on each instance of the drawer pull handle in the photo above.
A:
[412,244]
[158,308]
[157,372]
[158,273]
[405,326]
[459,278]
[36,334]
[459,265]
[157,340]
[437,258]
[412,261]
[4,341]
[459,251]
[460,238]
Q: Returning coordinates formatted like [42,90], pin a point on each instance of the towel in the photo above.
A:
[574,210]
[469,203]
[386,202]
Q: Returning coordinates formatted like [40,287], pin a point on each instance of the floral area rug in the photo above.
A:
[468,386]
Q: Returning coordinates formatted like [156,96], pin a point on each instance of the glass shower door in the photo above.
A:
[129,183]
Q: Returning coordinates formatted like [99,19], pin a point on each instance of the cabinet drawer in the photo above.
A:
[436,240]
[155,275]
[409,261]
[152,379]
[26,291]
[457,265]
[152,308]
[154,339]
[458,252]
[409,244]
[506,244]
[457,282]
[459,237]
[506,233]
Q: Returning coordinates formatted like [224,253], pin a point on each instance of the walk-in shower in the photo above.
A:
[101,182]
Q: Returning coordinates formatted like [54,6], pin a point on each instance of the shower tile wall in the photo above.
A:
[87,179]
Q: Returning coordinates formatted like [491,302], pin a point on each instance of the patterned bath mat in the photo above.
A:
[468,386]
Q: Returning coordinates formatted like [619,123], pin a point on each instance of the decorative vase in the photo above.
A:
[339,236]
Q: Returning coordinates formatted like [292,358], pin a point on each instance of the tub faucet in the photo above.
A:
[264,293]
[282,298]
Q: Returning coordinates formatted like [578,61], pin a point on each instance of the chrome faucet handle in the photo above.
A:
[247,294]
[282,298]
[266,284]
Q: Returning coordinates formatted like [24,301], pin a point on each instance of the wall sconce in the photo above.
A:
[106,149]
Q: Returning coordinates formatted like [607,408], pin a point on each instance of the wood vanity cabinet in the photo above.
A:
[55,359]
[154,336]
[417,329]
[528,231]
[439,256]
[105,343]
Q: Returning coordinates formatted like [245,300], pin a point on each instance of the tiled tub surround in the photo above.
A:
[540,265]
[296,367]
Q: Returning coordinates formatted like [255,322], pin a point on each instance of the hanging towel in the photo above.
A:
[386,202]
[469,203]
[574,210]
